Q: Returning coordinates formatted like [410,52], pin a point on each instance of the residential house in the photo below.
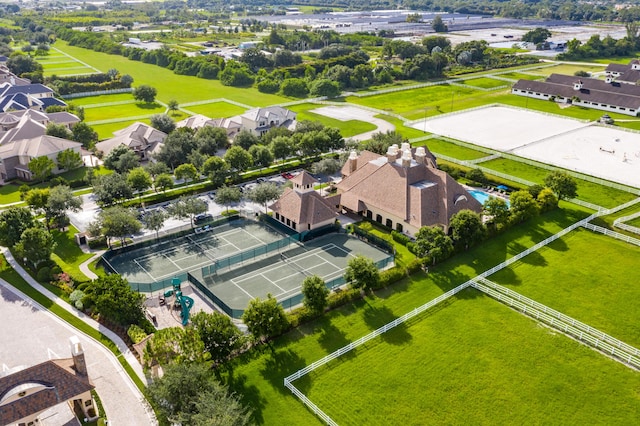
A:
[259,120]
[26,393]
[606,95]
[29,123]
[301,208]
[625,73]
[198,121]
[403,189]
[143,139]
[29,96]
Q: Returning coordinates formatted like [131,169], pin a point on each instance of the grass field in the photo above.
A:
[597,289]
[587,191]
[122,111]
[105,131]
[216,109]
[441,146]
[68,254]
[520,76]
[407,132]
[473,361]
[485,82]
[169,85]
[94,101]
[566,69]
[258,375]
[347,128]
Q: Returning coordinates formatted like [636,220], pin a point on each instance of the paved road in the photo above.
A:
[31,334]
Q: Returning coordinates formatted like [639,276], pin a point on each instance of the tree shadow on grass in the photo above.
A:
[250,395]
[146,105]
[280,364]
[332,338]
[376,317]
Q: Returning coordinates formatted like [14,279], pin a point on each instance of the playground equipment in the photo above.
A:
[185,303]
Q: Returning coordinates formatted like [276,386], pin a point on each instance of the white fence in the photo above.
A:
[610,233]
[620,223]
[583,332]
[97,92]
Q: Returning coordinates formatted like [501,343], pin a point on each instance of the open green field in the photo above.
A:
[169,85]
[567,69]
[258,375]
[68,63]
[96,101]
[216,109]
[105,131]
[520,76]
[634,222]
[122,111]
[587,191]
[347,128]
[441,146]
[407,132]
[473,361]
[598,286]
[485,82]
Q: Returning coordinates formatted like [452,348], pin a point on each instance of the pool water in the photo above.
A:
[481,196]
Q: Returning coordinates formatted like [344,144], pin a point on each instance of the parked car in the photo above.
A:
[202,218]
[261,180]
[287,175]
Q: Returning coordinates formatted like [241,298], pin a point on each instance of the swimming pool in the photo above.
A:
[481,196]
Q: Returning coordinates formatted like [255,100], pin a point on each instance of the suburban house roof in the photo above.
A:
[617,68]
[303,179]
[53,382]
[138,136]
[63,117]
[37,147]
[196,121]
[29,126]
[283,115]
[304,207]
[29,89]
[593,90]
[404,183]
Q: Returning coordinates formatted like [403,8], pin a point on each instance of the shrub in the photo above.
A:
[399,237]
[98,243]
[44,274]
[136,334]
[390,276]
[411,246]
[415,265]
[55,271]
[339,298]
[76,299]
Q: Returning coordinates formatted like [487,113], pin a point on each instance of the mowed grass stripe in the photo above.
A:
[590,277]
[474,361]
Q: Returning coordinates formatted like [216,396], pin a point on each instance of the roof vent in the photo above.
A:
[420,155]
[406,158]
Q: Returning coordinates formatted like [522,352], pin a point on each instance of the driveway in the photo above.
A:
[31,335]
[346,113]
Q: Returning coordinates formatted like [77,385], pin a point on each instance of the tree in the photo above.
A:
[467,228]
[326,166]
[187,208]
[264,193]
[476,175]
[186,172]
[537,35]
[60,201]
[523,206]
[163,122]
[68,160]
[154,220]
[315,293]
[27,48]
[220,407]
[37,199]
[118,222]
[126,80]
[227,195]
[438,25]
[110,189]
[294,87]
[13,222]
[41,167]
[172,106]
[261,155]
[362,273]
[156,168]
[175,345]
[238,159]
[281,147]
[547,200]
[163,182]
[145,93]
[563,185]
[497,210]
[433,242]
[139,180]
[380,142]
[210,139]
[122,159]
[83,133]
[177,146]
[220,336]
[23,64]
[116,301]
[35,245]
[58,130]
[216,169]
[265,318]
[325,87]
[245,139]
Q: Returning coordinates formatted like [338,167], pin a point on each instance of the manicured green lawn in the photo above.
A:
[441,146]
[412,104]
[123,111]
[68,255]
[169,85]
[566,69]
[216,109]
[473,361]
[347,128]
[485,82]
[589,276]
[634,222]
[258,375]
[520,76]
[587,191]
[407,132]
[90,101]
[105,131]
[61,64]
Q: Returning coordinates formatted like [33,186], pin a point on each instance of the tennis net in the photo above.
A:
[201,247]
[293,264]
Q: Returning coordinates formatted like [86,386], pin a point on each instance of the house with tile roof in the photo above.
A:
[607,95]
[25,393]
[143,139]
[259,120]
[198,121]
[403,190]
[302,208]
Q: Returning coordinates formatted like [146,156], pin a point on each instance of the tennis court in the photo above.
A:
[282,274]
[168,258]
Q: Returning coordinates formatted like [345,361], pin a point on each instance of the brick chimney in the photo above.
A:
[353,161]
[406,158]
[392,153]
[420,155]
[77,352]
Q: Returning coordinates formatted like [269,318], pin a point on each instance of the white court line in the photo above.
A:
[272,282]
[143,268]
[242,289]
[171,260]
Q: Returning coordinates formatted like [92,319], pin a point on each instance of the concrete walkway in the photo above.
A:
[84,266]
[122,347]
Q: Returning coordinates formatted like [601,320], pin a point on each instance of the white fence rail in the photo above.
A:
[583,332]
[627,227]
[610,233]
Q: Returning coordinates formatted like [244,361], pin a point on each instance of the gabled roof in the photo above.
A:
[63,117]
[303,179]
[56,382]
[37,147]
[29,89]
[136,136]
[27,128]
[19,101]
[256,114]
[304,207]
[196,121]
